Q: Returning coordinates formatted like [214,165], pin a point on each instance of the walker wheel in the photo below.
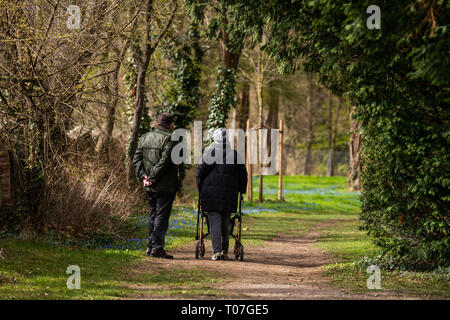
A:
[241,256]
[202,251]
[199,249]
[239,252]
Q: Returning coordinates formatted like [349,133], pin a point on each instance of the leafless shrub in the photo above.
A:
[85,194]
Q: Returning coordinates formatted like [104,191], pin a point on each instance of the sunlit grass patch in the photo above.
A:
[300,193]
[421,285]
[346,242]
[349,245]
[35,270]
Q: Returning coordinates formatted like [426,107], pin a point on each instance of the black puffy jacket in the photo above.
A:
[219,184]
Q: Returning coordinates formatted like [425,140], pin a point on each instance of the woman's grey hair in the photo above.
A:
[220,135]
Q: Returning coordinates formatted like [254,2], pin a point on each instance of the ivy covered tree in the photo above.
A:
[226,24]
[223,99]
[182,93]
[397,76]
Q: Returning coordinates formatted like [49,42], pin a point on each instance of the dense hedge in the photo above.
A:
[405,161]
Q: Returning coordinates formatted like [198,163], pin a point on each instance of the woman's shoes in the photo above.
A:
[219,256]
[216,256]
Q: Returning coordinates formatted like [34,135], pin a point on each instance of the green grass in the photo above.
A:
[307,202]
[37,269]
[414,284]
[349,245]
[346,242]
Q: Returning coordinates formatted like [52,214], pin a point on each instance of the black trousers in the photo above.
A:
[158,222]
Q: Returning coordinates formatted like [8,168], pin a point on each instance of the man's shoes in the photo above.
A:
[216,256]
[148,252]
[161,254]
[224,256]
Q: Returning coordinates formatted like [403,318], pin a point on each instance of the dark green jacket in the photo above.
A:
[152,158]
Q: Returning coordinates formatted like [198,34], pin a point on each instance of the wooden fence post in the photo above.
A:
[280,165]
[260,146]
[249,166]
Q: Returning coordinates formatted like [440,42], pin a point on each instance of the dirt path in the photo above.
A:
[285,268]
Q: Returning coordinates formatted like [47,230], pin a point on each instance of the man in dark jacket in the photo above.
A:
[220,177]
[154,167]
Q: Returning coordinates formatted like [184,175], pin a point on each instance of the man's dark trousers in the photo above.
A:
[160,208]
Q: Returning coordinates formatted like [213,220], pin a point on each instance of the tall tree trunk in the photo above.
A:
[274,106]
[310,127]
[259,95]
[233,118]
[271,119]
[335,132]
[295,158]
[104,142]
[142,62]
[244,106]
[229,60]
[220,102]
[137,115]
[330,169]
[354,173]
